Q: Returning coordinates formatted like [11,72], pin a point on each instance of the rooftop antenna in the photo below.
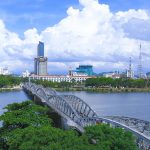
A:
[140,63]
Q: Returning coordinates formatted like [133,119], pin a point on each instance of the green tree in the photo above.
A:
[8,81]
[26,126]
[121,82]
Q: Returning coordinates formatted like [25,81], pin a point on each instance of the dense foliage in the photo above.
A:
[46,83]
[121,82]
[9,81]
[26,126]
[99,82]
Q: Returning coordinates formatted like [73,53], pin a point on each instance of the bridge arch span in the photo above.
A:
[40,92]
[80,106]
[33,88]
[63,108]
[79,114]
[50,91]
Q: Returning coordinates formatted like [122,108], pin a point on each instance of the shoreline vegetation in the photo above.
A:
[104,90]
[99,84]
[14,88]
[97,90]
[27,126]
[10,83]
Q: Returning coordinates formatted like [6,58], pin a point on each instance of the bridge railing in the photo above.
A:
[80,106]
[139,136]
[75,109]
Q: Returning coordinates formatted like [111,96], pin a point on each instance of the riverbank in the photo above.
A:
[14,88]
[99,90]
[117,90]
[105,90]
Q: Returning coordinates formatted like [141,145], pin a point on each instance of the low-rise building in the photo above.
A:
[113,75]
[60,78]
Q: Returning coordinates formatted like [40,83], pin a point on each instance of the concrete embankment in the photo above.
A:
[14,88]
[105,90]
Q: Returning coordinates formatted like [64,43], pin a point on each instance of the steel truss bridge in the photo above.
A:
[79,114]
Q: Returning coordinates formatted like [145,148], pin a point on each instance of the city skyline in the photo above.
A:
[103,34]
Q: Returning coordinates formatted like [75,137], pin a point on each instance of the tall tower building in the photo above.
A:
[40,62]
[40,49]
[140,74]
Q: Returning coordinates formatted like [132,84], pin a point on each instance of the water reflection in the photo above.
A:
[135,105]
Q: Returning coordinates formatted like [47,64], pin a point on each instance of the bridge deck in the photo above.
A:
[79,114]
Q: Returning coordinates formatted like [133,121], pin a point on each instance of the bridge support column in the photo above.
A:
[34,98]
[29,94]
[57,119]
[64,123]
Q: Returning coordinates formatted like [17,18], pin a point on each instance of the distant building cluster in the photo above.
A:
[130,72]
[80,74]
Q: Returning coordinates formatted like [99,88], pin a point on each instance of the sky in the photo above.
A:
[102,33]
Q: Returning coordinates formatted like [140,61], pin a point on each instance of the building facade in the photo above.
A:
[60,78]
[84,70]
[40,65]
[40,49]
[40,62]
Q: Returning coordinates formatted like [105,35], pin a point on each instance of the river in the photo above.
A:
[11,97]
[135,105]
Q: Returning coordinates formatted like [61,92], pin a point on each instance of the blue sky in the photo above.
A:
[117,5]
[75,32]
[20,15]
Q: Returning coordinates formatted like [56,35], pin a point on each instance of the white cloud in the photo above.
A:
[91,35]
[126,16]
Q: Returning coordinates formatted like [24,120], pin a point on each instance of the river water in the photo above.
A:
[11,97]
[135,105]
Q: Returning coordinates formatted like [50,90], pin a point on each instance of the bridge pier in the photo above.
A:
[29,94]
[58,121]
[68,111]
[37,100]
